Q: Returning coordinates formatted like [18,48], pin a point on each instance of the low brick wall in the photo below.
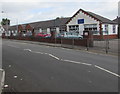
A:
[114,36]
[110,36]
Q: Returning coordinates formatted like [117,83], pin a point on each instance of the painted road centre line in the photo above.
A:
[13,46]
[54,56]
[76,62]
[27,50]
[42,53]
[107,71]
[37,52]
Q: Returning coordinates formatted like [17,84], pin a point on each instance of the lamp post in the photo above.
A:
[2,12]
[17,26]
[118,23]
[55,31]
[107,41]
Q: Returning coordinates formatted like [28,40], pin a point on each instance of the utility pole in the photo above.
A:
[55,31]
[3,33]
[118,19]
[17,26]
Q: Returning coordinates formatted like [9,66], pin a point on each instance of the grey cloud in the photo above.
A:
[23,11]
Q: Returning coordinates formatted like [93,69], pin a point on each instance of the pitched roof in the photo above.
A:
[117,20]
[102,19]
[95,16]
[50,23]
[12,27]
[42,24]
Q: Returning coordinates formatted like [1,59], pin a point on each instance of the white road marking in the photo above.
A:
[1,70]
[21,79]
[5,86]
[15,76]
[13,46]
[73,61]
[37,52]
[87,64]
[27,50]
[78,62]
[9,66]
[3,78]
[107,71]
[46,53]
[54,56]
[66,48]
[57,58]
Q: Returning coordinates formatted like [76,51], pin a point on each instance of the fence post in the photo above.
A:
[87,44]
[107,42]
[61,41]
[73,43]
[55,41]
[107,45]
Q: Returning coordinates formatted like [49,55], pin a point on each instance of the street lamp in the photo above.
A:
[55,31]
[2,12]
[17,26]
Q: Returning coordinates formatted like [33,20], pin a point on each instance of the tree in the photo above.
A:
[5,21]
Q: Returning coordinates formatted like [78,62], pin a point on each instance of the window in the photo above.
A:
[62,28]
[91,27]
[53,29]
[114,28]
[74,28]
[44,31]
[106,28]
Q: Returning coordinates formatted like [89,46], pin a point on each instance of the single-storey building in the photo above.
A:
[57,25]
[87,21]
[118,21]
[81,21]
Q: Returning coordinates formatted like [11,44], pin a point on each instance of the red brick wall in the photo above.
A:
[111,36]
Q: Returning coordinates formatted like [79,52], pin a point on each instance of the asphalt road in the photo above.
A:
[40,68]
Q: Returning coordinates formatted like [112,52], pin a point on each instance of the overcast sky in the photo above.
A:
[25,11]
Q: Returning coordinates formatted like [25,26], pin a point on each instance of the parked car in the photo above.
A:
[43,35]
[71,35]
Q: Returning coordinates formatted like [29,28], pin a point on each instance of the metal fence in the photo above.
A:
[98,45]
